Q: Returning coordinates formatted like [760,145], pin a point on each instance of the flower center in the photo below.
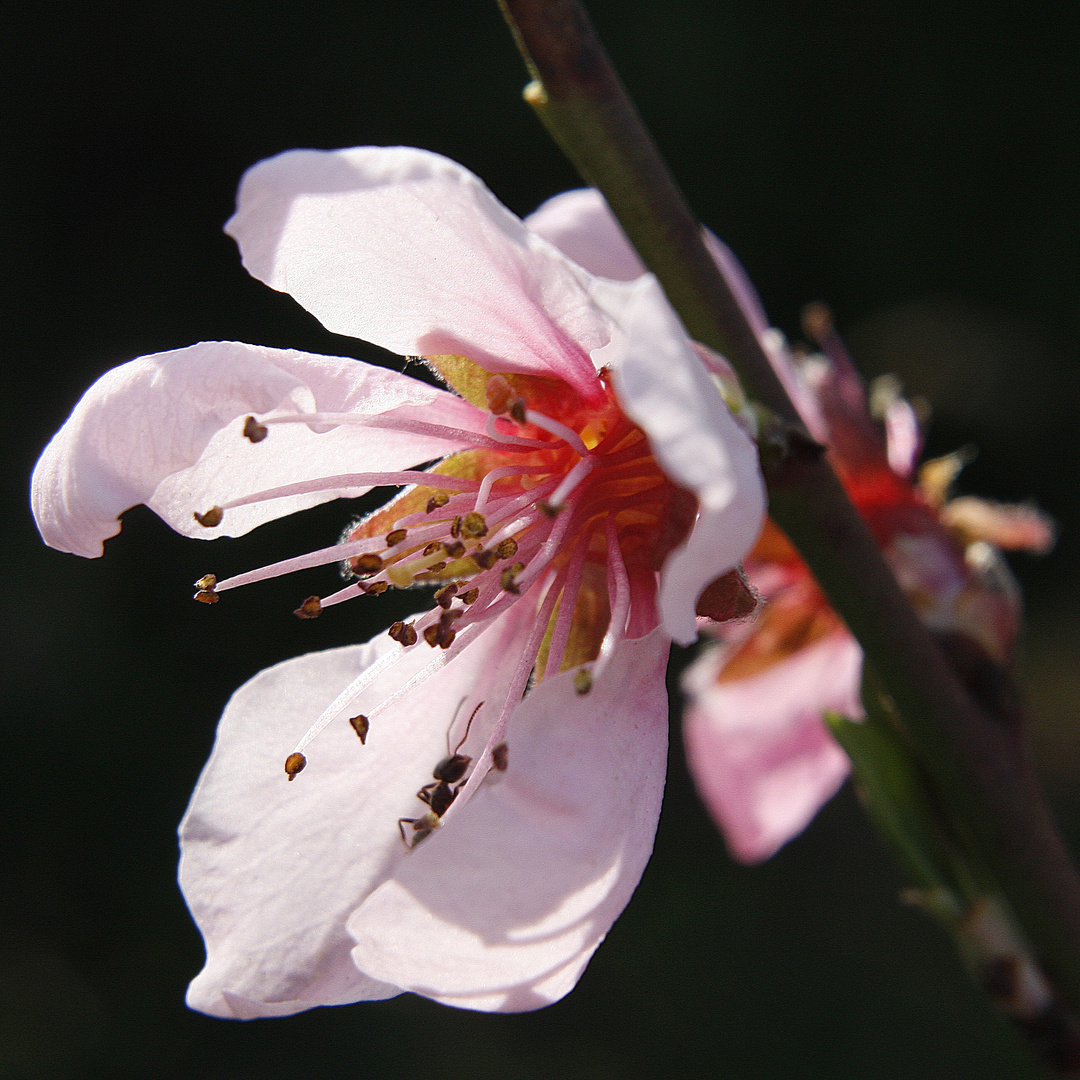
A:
[559,505]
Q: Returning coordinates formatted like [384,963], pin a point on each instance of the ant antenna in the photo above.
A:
[468,728]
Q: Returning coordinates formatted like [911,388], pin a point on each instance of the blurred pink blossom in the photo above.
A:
[756,742]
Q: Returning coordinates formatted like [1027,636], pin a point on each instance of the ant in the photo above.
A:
[440,794]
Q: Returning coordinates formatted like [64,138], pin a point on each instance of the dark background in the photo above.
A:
[913,164]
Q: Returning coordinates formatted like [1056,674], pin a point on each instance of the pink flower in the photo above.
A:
[756,742]
[591,482]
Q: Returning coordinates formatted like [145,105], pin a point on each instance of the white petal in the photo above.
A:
[581,225]
[663,386]
[166,430]
[409,250]
[501,909]
[270,868]
[758,749]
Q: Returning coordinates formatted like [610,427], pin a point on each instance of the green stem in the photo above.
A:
[978,768]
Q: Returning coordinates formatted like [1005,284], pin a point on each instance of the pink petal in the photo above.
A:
[663,386]
[166,430]
[902,437]
[271,869]
[501,909]
[763,760]
[581,225]
[409,250]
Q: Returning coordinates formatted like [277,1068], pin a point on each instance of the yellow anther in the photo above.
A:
[207,582]
[473,526]
[440,498]
[583,680]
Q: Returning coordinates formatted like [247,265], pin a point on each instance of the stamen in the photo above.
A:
[571,481]
[401,478]
[311,608]
[295,764]
[367,564]
[620,606]
[560,431]
[361,725]
[211,519]
[519,680]
[388,422]
[500,757]
[254,431]
[206,583]
[335,553]
[500,474]
[444,597]
[473,526]
[404,632]
[351,592]
[440,498]
[207,596]
[512,440]
[348,695]
[507,578]
[395,537]
[564,620]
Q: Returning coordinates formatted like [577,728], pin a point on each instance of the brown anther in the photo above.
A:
[435,545]
[432,570]
[367,564]
[455,527]
[254,431]
[470,597]
[548,510]
[211,519]
[485,559]
[395,537]
[444,597]
[506,549]
[361,725]
[205,596]
[440,498]
[455,550]
[404,632]
[311,608]
[442,633]
[507,582]
[583,680]
[517,410]
[207,582]
[473,526]
[376,588]
[294,765]
[500,757]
